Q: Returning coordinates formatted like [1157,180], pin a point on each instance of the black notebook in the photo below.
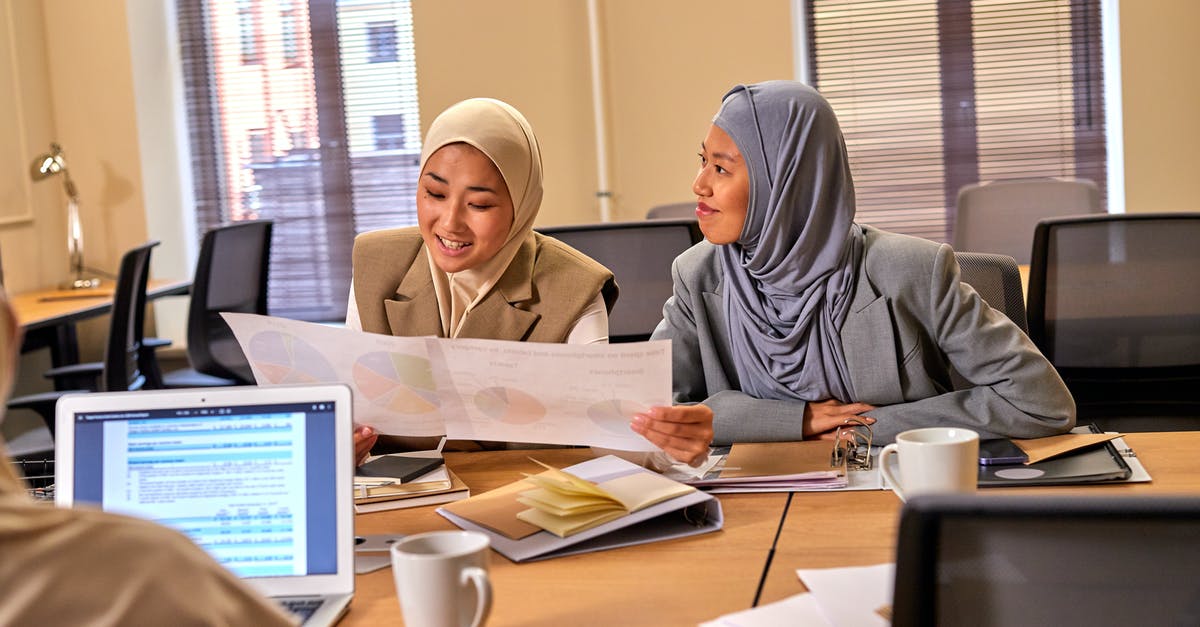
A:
[400,467]
[1097,463]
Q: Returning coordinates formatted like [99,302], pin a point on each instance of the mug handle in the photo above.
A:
[884,468]
[478,577]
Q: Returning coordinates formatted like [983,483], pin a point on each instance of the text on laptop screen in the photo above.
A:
[254,485]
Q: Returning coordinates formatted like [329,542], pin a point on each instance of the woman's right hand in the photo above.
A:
[683,431]
[364,440]
[822,418]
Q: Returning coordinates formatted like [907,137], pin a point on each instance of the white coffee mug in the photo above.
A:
[934,460]
[442,578]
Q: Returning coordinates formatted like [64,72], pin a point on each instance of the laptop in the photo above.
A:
[996,561]
[260,477]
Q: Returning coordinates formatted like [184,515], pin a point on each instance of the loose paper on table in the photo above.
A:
[469,389]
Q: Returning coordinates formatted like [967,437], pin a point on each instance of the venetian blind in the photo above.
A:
[935,94]
[303,112]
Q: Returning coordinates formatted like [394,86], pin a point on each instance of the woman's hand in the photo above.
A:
[364,439]
[822,418]
[683,431]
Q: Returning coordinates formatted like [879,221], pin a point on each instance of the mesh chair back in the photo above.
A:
[998,217]
[997,279]
[231,275]
[639,254]
[673,211]
[1114,303]
[121,371]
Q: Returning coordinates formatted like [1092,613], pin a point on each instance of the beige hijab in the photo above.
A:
[505,136]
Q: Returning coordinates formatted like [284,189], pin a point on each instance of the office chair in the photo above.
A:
[1114,304]
[997,279]
[120,369]
[1000,561]
[670,211]
[998,217]
[639,254]
[231,276]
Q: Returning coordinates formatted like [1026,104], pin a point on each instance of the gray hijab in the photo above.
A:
[789,278]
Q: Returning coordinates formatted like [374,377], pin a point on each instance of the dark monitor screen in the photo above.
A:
[1049,561]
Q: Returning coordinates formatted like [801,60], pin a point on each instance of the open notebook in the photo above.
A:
[260,477]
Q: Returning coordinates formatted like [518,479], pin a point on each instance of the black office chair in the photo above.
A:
[1008,560]
[639,254]
[231,276]
[997,279]
[120,369]
[1114,304]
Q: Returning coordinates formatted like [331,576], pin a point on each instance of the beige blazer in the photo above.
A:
[539,297]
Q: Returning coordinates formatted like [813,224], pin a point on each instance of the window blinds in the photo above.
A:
[305,113]
[935,94]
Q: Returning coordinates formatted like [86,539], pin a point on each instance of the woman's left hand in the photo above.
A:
[683,431]
[364,438]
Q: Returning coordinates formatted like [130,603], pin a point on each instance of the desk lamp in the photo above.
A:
[44,167]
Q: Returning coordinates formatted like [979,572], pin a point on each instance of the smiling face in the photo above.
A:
[722,188]
[463,207]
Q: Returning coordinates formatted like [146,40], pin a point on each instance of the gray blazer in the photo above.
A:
[910,323]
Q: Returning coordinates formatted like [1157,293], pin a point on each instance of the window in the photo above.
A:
[381,41]
[935,94]
[247,33]
[389,131]
[293,139]
[289,36]
[260,146]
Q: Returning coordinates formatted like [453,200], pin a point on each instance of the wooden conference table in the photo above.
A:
[48,316]
[692,580]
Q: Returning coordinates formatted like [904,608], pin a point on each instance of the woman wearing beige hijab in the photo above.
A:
[473,267]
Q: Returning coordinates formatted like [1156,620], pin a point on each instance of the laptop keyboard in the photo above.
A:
[301,607]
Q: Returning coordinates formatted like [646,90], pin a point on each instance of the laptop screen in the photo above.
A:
[254,485]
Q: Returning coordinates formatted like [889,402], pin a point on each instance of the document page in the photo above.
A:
[392,379]
[469,389]
[555,393]
[244,502]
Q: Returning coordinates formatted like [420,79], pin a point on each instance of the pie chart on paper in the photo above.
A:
[509,405]
[614,415]
[284,358]
[397,382]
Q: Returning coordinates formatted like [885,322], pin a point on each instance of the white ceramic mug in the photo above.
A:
[442,578]
[934,460]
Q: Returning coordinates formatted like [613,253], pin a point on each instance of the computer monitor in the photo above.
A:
[1049,560]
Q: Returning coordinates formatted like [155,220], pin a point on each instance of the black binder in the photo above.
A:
[1094,464]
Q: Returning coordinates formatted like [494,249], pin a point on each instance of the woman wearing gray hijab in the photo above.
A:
[791,317]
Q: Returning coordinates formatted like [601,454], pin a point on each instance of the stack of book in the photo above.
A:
[405,480]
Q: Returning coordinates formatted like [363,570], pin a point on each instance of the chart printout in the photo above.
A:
[555,393]
[564,394]
[391,378]
[240,496]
